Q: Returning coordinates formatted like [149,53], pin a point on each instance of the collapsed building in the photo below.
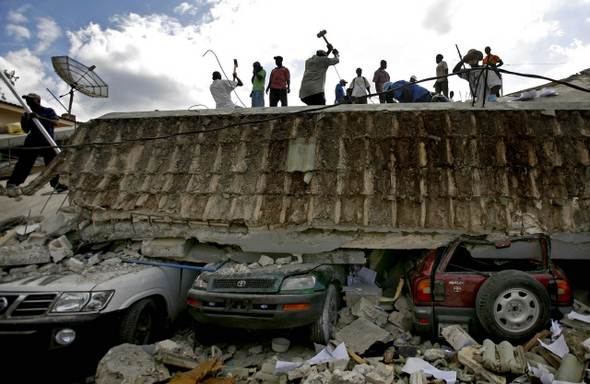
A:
[302,179]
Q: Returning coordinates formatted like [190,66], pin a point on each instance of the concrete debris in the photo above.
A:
[136,365]
[361,334]
[457,337]
[60,224]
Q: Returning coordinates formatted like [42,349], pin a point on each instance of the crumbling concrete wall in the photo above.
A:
[390,176]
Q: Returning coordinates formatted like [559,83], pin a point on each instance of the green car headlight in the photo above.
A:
[82,301]
[298,283]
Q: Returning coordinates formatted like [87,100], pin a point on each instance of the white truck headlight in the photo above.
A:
[298,283]
[82,301]
[201,282]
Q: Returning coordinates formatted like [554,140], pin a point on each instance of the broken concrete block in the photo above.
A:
[26,229]
[363,369]
[404,320]
[37,238]
[382,374]
[283,260]
[433,354]
[357,291]
[205,253]
[17,272]
[265,260]
[404,304]
[299,373]
[345,317]
[571,369]
[365,308]
[60,223]
[74,265]
[336,257]
[136,365]
[340,364]
[60,248]
[466,357]
[347,377]
[324,377]
[167,247]
[457,337]
[23,254]
[255,350]
[418,377]
[361,334]
[241,373]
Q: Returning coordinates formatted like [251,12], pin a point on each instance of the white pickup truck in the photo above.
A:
[134,302]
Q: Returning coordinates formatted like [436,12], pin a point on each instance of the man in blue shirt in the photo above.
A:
[410,93]
[35,139]
[340,93]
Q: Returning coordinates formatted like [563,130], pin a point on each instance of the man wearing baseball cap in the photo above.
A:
[35,144]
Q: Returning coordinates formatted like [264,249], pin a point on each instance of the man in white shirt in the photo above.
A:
[360,87]
[221,90]
[481,80]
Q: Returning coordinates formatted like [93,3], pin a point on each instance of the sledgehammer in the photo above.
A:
[323,34]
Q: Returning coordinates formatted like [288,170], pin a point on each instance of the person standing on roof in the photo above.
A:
[279,84]
[413,79]
[258,78]
[381,77]
[493,61]
[441,85]
[481,81]
[35,139]
[314,76]
[221,90]
[340,93]
[360,87]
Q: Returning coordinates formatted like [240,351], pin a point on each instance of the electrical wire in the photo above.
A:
[282,115]
[224,74]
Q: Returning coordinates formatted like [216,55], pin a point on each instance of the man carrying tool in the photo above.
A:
[314,76]
[221,90]
[35,139]
[279,84]
[481,81]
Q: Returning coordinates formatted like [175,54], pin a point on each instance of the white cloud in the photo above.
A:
[18,16]
[47,31]
[185,8]
[19,33]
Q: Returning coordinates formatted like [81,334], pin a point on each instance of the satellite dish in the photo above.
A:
[79,77]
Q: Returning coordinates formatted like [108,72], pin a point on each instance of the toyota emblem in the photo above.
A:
[241,283]
[3,303]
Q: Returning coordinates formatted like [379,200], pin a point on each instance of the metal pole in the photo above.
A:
[26,107]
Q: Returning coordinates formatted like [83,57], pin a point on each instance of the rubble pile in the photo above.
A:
[368,348]
[43,248]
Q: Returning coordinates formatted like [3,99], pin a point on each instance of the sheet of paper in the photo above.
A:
[285,366]
[559,346]
[414,364]
[576,316]
[327,354]
[556,329]
[548,92]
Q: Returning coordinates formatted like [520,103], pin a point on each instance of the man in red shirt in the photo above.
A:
[279,84]
[381,77]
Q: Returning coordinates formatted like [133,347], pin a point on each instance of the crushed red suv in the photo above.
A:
[506,288]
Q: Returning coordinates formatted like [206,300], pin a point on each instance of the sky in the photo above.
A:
[159,55]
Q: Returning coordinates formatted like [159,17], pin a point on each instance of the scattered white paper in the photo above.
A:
[414,364]
[547,92]
[26,229]
[576,316]
[285,366]
[546,378]
[526,96]
[556,329]
[559,346]
[327,354]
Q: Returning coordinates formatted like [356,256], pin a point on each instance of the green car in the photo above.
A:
[271,297]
